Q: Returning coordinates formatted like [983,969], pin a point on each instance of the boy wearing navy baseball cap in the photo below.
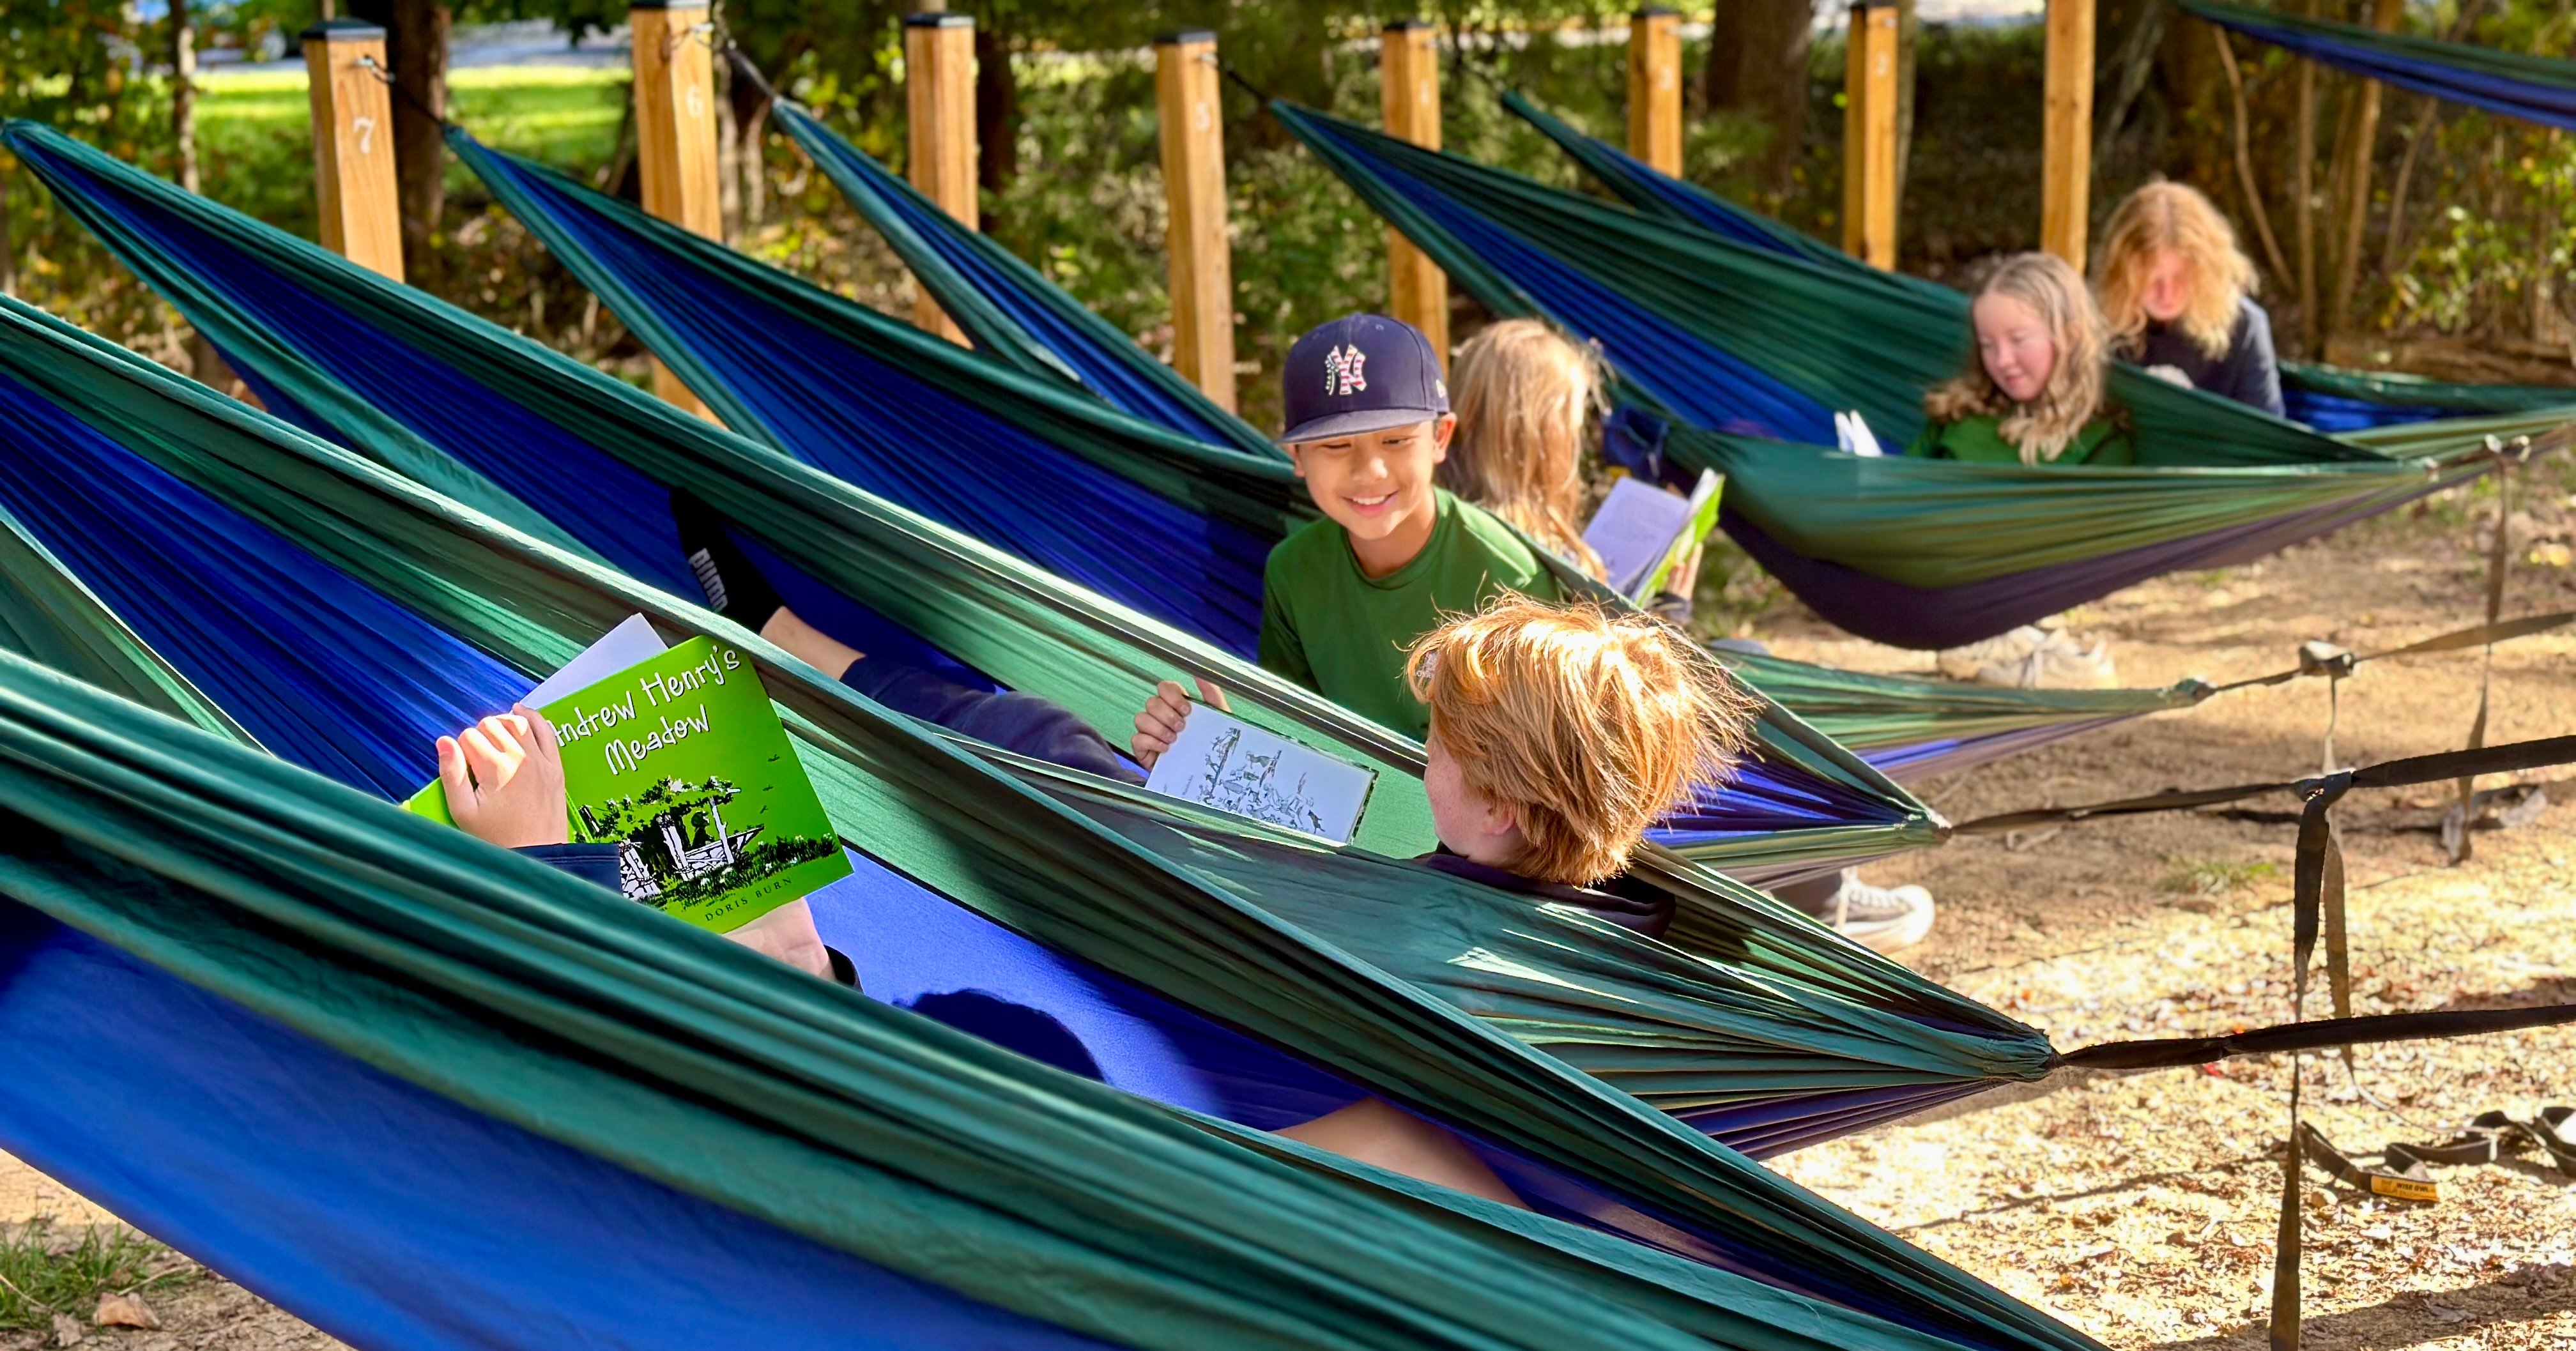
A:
[1396,554]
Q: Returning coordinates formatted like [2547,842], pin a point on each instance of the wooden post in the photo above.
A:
[1655,88]
[353,143]
[1408,65]
[1186,94]
[675,135]
[2066,140]
[1869,133]
[939,101]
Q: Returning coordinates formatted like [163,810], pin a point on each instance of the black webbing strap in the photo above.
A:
[2404,1179]
[2499,562]
[2419,769]
[2326,1034]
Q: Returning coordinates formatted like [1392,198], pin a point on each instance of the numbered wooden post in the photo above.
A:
[675,135]
[1186,96]
[2066,140]
[353,143]
[1869,134]
[939,101]
[1655,88]
[1409,73]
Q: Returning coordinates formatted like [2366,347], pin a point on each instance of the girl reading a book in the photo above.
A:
[2178,295]
[2036,389]
[1525,396]
[1525,400]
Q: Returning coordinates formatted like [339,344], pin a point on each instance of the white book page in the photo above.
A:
[1229,764]
[1634,529]
[631,642]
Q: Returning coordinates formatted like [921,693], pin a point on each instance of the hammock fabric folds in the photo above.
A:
[429,1094]
[2533,88]
[1754,348]
[425,611]
[554,447]
[2324,397]
[1910,729]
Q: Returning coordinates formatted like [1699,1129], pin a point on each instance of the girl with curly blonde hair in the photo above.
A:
[2035,391]
[2178,295]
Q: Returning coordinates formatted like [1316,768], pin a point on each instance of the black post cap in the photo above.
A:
[938,20]
[1186,35]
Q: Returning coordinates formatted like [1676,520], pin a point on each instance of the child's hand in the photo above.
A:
[515,797]
[1160,724]
[1683,580]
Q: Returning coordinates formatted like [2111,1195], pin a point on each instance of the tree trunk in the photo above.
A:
[751,123]
[183,91]
[1909,31]
[728,166]
[2125,72]
[2303,216]
[416,47]
[1757,64]
[997,114]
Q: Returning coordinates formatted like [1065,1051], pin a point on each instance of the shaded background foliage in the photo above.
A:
[2459,267]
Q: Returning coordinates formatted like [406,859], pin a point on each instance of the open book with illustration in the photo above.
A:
[1221,761]
[677,757]
[1641,531]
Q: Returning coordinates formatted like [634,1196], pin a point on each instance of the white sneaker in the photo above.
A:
[2060,662]
[1965,663]
[1882,918]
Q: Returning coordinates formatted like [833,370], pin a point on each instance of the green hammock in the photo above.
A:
[347,942]
[1313,950]
[516,428]
[1918,552]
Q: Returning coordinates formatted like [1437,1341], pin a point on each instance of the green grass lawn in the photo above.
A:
[254,130]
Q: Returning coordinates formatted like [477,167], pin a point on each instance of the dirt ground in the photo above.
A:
[2142,1208]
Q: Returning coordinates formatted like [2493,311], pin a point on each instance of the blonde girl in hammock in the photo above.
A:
[2177,294]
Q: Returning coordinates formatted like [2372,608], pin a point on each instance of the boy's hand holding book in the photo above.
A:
[1160,723]
[505,780]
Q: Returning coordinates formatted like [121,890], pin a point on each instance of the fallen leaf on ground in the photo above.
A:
[67,1330]
[125,1311]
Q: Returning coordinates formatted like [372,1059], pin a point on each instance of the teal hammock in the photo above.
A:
[1911,729]
[424,1093]
[1748,351]
[479,414]
[2324,397]
[340,614]
[1006,617]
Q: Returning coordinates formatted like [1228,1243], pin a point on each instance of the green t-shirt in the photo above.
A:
[1342,634]
[1980,440]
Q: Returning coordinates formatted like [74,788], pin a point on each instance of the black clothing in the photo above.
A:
[2249,373]
[735,588]
[1628,903]
[1024,724]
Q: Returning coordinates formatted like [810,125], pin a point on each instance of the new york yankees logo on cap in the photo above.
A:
[1361,373]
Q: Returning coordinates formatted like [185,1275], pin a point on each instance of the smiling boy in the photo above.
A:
[1343,598]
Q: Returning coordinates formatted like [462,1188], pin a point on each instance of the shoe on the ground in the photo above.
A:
[1963,663]
[1881,918]
[2032,658]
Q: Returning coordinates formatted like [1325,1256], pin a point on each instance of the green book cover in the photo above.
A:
[680,761]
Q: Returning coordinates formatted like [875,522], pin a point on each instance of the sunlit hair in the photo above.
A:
[1522,395]
[2043,428]
[2172,216]
[1591,723]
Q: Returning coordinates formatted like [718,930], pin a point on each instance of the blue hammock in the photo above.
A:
[1005,306]
[2322,397]
[2534,89]
[474,402]
[241,574]
[1749,347]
